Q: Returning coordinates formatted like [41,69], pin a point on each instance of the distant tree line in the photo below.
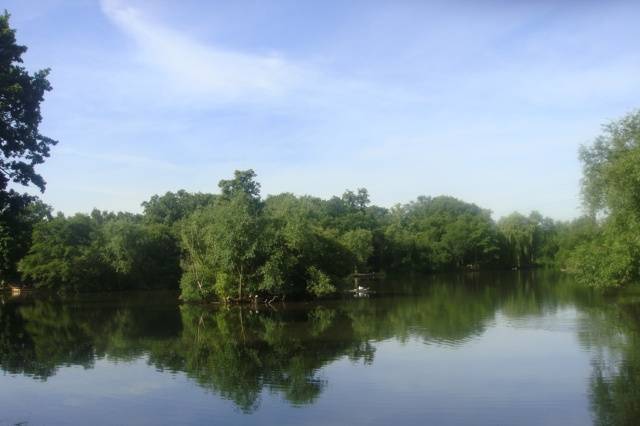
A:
[236,245]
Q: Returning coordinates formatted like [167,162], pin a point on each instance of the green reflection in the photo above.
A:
[240,352]
[612,332]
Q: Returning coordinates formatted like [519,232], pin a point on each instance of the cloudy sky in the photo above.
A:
[487,101]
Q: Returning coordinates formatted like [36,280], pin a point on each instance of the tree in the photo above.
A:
[242,245]
[570,235]
[236,232]
[319,284]
[66,255]
[21,144]
[227,244]
[360,243]
[611,193]
[17,220]
[144,256]
[101,251]
[440,233]
[299,249]
[358,200]
[198,262]
[22,147]
[243,183]
[611,169]
[174,206]
[518,232]
[290,242]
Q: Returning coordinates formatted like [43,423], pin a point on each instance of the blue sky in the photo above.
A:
[487,101]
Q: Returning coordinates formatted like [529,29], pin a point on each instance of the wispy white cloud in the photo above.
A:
[128,160]
[204,69]
[205,73]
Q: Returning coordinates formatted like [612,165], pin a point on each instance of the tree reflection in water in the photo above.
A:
[240,352]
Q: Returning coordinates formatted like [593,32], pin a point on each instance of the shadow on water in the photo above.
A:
[240,352]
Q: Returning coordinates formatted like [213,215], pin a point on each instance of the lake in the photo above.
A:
[525,348]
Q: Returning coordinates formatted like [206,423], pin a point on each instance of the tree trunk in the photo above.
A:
[240,286]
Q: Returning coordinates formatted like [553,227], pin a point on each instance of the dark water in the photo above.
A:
[525,349]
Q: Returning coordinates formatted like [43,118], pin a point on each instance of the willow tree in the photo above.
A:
[519,232]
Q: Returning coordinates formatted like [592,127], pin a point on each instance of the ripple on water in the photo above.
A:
[563,321]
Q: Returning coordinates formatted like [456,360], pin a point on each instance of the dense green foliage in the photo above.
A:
[238,246]
[241,245]
[531,240]
[170,208]
[22,147]
[17,220]
[608,253]
[441,233]
[101,251]
[21,144]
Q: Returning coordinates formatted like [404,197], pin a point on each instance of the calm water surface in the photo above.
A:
[518,348]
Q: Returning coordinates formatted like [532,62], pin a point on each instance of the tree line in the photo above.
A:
[236,244]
